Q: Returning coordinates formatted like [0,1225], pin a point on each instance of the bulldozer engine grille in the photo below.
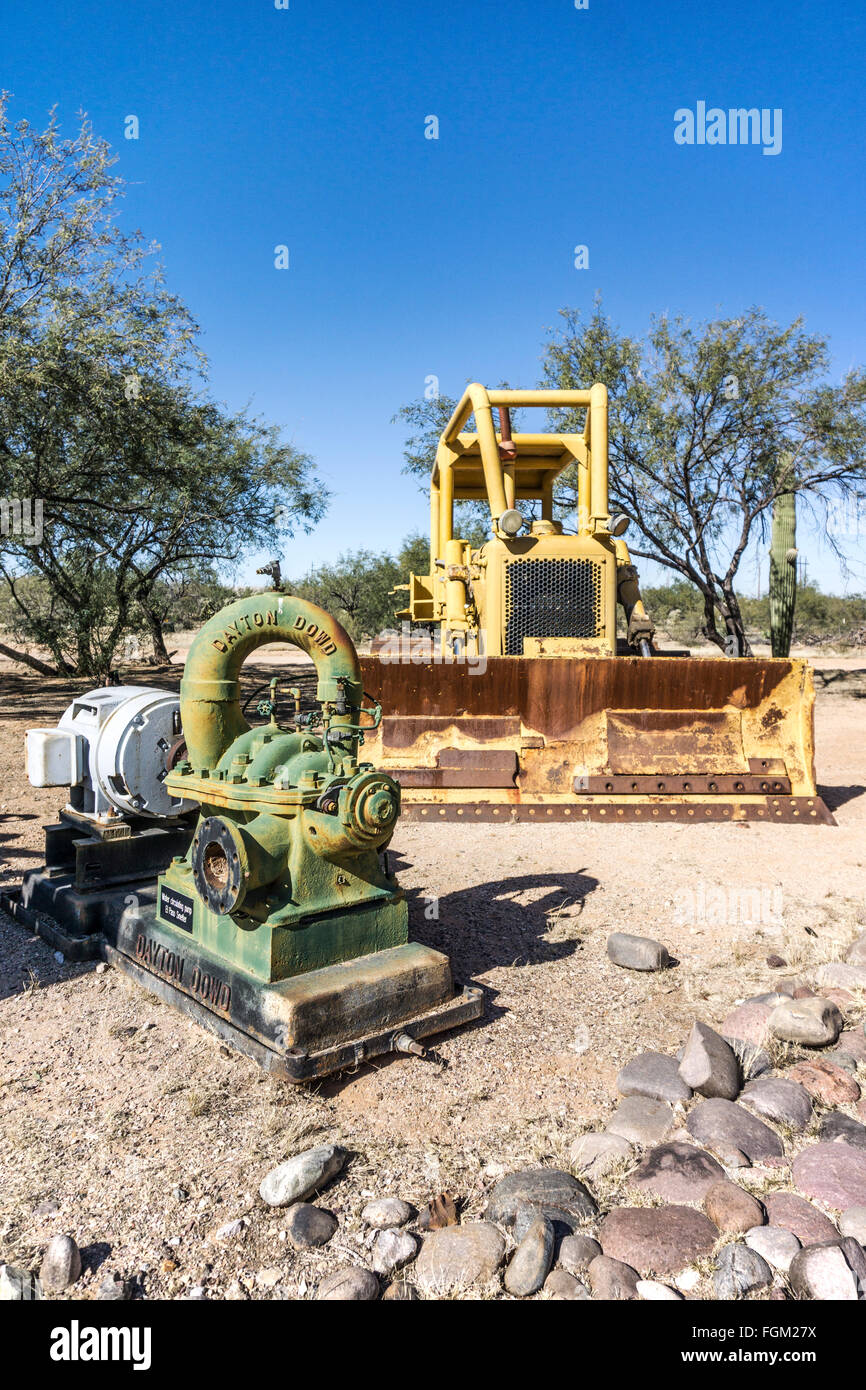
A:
[551,598]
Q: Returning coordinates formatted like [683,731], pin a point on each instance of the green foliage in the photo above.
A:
[81,626]
[358,588]
[185,600]
[699,417]
[826,617]
[145,481]
[427,417]
[413,556]
[677,609]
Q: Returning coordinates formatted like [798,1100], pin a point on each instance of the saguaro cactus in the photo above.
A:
[783,572]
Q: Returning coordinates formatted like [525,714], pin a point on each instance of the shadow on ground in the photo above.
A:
[499,923]
[9,844]
[834,797]
[484,927]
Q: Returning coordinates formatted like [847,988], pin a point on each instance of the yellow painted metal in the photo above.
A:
[494,607]
[470,466]
[596,439]
[571,707]
[567,710]
[455,587]
[628,589]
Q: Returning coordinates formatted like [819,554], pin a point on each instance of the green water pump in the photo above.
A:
[282,928]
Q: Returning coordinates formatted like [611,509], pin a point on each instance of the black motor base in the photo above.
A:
[92,874]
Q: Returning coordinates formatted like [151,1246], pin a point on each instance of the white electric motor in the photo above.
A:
[113,748]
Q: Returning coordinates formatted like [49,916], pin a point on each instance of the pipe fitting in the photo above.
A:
[369,806]
[229,861]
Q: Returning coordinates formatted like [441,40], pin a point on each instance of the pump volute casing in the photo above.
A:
[284,869]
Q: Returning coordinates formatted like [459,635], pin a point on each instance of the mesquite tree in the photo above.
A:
[699,417]
[104,420]
[360,587]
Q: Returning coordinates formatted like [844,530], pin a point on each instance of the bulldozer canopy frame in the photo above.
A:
[470,466]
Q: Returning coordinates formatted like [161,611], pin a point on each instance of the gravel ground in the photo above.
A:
[126,1126]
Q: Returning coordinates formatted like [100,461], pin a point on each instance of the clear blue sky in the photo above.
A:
[409,257]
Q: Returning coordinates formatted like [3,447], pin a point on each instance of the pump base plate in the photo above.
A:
[300,1029]
[91,875]
[71,921]
[295,1064]
[307,1025]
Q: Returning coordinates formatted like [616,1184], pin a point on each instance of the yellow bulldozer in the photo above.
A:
[509,696]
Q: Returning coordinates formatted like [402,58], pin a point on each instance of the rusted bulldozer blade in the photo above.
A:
[600,739]
[792,810]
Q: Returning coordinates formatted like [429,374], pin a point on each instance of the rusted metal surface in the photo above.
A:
[790,810]
[647,741]
[553,697]
[479,759]
[463,767]
[507,447]
[723,784]
[597,719]
[402,731]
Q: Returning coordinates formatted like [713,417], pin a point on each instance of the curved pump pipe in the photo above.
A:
[210,707]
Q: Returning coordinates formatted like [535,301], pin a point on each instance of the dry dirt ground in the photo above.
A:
[128,1127]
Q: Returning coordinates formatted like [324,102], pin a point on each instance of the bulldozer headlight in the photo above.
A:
[620,525]
[511,522]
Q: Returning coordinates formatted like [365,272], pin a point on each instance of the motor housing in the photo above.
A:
[113,747]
